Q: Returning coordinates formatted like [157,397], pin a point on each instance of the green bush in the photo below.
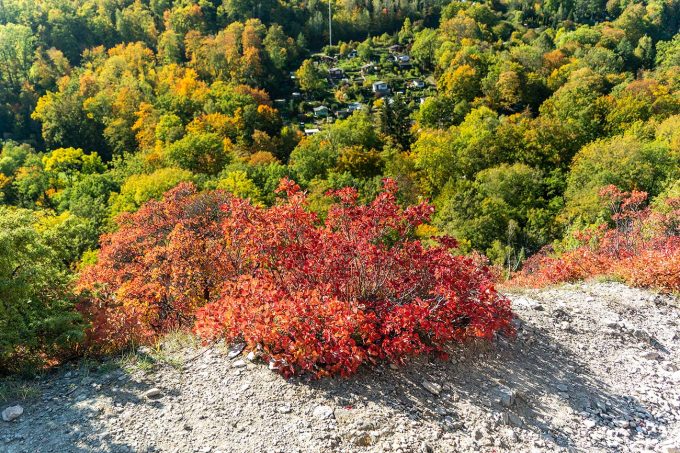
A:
[37,317]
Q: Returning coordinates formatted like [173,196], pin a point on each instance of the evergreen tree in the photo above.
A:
[394,119]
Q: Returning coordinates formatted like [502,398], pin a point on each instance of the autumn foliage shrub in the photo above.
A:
[163,262]
[640,246]
[326,296]
[317,296]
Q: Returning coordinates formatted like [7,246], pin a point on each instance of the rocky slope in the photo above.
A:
[595,367]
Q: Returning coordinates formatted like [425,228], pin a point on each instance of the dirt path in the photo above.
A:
[595,367]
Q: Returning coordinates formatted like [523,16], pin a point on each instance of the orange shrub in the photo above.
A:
[165,261]
[642,247]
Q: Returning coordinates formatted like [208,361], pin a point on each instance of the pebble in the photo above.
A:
[514,420]
[507,397]
[451,423]
[529,303]
[425,448]
[322,412]
[670,449]
[240,363]
[621,423]
[512,435]
[235,350]
[152,393]
[432,387]
[440,411]
[642,335]
[650,355]
[12,413]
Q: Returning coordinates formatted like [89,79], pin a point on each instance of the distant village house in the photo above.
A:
[380,88]
[321,111]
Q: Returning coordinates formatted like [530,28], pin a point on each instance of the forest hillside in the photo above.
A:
[350,225]
[337,186]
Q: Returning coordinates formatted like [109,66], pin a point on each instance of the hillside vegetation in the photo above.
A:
[166,163]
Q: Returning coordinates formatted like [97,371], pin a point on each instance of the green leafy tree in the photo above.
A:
[17,45]
[441,112]
[502,210]
[68,164]
[280,48]
[88,199]
[199,152]
[313,158]
[48,67]
[169,47]
[66,124]
[575,105]
[136,23]
[365,50]
[394,119]
[310,78]
[425,46]
[37,314]
[32,183]
[360,162]
[624,161]
[137,189]
[668,52]
[239,184]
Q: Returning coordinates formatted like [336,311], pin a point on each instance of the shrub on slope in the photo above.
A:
[640,246]
[317,296]
[358,287]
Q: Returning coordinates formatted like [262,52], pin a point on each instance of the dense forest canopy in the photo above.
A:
[509,115]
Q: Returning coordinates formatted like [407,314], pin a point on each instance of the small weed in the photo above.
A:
[22,391]
[608,279]
[132,361]
[108,366]
[168,359]
[514,290]
[168,350]
[177,341]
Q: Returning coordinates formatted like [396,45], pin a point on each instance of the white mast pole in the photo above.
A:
[330,24]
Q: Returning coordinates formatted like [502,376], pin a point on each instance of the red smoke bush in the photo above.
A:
[326,296]
[316,296]
[642,247]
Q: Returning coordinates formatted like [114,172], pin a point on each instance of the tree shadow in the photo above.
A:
[63,415]
[515,380]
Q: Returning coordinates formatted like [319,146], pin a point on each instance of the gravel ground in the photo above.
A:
[595,367]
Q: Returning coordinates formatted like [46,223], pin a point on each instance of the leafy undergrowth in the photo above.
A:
[641,247]
[316,296]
